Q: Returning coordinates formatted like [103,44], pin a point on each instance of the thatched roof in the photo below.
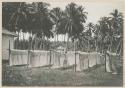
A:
[6,32]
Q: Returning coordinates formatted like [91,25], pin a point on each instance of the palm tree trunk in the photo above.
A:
[96,46]
[102,46]
[65,38]
[118,46]
[57,37]
[31,43]
[111,44]
[43,42]
[23,42]
[121,50]
[75,53]
[88,48]
[82,46]
[18,41]
[67,42]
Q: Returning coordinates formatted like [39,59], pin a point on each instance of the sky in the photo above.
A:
[95,10]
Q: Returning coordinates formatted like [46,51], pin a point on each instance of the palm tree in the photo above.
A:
[110,27]
[116,20]
[39,21]
[97,36]
[117,25]
[105,32]
[57,15]
[89,34]
[18,19]
[82,42]
[72,24]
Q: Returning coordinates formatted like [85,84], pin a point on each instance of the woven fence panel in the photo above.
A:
[18,57]
[39,58]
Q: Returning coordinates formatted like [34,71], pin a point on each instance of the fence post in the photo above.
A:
[50,60]
[28,59]
[9,52]
[104,55]
[88,60]
[75,53]
[75,61]
[59,57]
[96,61]
[88,63]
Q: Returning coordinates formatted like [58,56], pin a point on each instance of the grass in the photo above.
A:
[43,76]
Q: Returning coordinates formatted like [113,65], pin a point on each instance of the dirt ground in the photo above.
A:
[44,76]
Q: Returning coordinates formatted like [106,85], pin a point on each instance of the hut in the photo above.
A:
[7,37]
